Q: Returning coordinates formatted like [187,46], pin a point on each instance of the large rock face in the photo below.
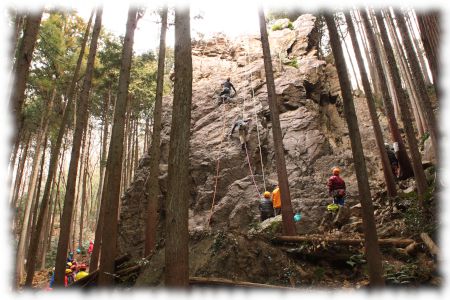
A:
[315,136]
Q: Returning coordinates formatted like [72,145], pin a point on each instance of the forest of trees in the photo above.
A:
[86,109]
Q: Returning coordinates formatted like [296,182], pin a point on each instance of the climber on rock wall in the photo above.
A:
[336,187]
[227,86]
[265,207]
[242,125]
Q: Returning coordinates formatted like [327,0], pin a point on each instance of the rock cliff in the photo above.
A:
[315,136]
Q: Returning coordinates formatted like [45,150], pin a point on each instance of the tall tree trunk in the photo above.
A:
[418,49]
[95,256]
[22,67]
[19,20]
[55,150]
[387,171]
[403,159]
[406,74]
[286,206]
[369,57]
[85,193]
[38,188]
[104,154]
[385,69]
[430,33]
[425,103]
[372,250]
[349,57]
[114,164]
[20,171]
[154,152]
[405,114]
[82,115]
[177,234]
[20,256]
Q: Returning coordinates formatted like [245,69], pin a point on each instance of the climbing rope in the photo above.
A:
[218,164]
[256,116]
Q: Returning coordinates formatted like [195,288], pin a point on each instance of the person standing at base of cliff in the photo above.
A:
[392,159]
[336,187]
[227,86]
[276,200]
[242,126]
[265,207]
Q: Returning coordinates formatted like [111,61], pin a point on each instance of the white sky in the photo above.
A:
[233,17]
[216,18]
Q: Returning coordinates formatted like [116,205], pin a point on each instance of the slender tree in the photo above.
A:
[406,74]
[115,154]
[370,231]
[286,206]
[405,164]
[152,181]
[425,103]
[419,174]
[31,191]
[430,34]
[22,66]
[82,115]
[54,153]
[177,234]
[387,171]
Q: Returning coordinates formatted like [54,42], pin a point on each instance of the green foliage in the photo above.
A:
[403,275]
[292,62]
[219,242]
[356,259]
[276,27]
[416,219]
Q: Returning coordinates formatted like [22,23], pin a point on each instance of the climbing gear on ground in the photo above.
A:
[297,217]
[68,271]
[332,207]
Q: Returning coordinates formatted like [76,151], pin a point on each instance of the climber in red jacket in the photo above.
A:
[336,187]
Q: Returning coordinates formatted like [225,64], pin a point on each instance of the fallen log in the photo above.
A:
[129,270]
[434,249]
[92,277]
[228,282]
[121,259]
[397,242]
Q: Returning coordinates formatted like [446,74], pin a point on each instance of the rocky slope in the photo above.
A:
[315,136]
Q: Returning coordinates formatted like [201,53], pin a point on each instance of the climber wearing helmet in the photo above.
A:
[336,187]
[242,124]
[276,200]
[82,273]
[227,86]
[265,207]
[68,279]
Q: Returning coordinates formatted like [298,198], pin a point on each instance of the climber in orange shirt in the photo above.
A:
[276,200]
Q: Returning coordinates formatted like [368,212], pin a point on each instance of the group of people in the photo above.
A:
[270,205]
[74,270]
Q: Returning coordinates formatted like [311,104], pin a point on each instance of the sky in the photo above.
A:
[215,18]
[231,17]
